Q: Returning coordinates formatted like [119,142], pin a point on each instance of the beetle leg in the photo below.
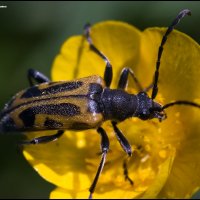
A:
[122,140]
[148,88]
[37,76]
[104,150]
[108,71]
[123,80]
[126,172]
[44,139]
[127,148]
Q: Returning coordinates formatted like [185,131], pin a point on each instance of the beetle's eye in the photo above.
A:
[144,115]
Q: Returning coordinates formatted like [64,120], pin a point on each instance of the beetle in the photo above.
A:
[56,105]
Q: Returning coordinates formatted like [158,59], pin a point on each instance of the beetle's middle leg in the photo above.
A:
[126,147]
[108,71]
[104,150]
[37,76]
[123,80]
[125,168]
[44,139]
[122,139]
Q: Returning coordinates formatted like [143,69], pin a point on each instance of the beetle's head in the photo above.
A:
[149,109]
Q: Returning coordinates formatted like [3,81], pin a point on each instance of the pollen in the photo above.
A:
[163,154]
[81,143]
[147,147]
[177,114]
[145,158]
[146,139]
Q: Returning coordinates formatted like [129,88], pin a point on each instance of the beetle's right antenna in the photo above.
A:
[182,14]
[187,103]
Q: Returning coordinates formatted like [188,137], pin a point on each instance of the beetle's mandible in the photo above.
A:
[56,105]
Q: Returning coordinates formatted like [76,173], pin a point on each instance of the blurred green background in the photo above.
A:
[31,34]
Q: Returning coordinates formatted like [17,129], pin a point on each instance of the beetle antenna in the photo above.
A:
[182,14]
[187,103]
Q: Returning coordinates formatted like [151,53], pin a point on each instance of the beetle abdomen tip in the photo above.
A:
[7,124]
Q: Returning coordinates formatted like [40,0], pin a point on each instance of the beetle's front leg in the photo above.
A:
[37,76]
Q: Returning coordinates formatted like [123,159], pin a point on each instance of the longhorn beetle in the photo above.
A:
[56,105]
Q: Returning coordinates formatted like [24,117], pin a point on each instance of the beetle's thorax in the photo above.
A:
[118,104]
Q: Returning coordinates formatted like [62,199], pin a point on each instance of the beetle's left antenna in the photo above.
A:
[182,14]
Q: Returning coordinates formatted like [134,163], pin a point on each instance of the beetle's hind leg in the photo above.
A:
[43,139]
[104,150]
[108,71]
[37,76]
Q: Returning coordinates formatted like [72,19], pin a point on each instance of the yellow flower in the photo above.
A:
[166,159]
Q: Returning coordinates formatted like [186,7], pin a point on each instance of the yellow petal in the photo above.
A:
[179,80]
[60,193]
[60,161]
[160,179]
[179,68]
[118,41]
[72,161]
[184,179]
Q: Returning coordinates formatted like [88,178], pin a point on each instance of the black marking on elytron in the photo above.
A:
[7,124]
[63,109]
[7,111]
[51,123]
[32,92]
[28,117]
[63,87]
